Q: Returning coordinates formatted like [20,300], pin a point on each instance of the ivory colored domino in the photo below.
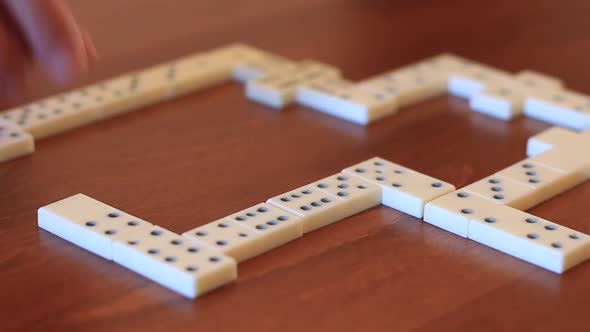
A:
[54,115]
[277,89]
[315,207]
[569,160]
[556,137]
[131,91]
[256,67]
[175,262]
[346,100]
[250,232]
[500,190]
[454,211]
[198,72]
[110,97]
[14,142]
[88,223]
[409,85]
[230,238]
[538,81]
[358,194]
[249,63]
[154,84]
[402,189]
[503,100]
[563,108]
[275,226]
[532,239]
[445,63]
[472,78]
[438,67]
[545,182]
[236,53]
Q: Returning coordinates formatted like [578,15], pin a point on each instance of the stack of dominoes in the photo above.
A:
[278,82]
[487,211]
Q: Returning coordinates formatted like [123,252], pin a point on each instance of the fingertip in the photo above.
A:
[92,54]
[59,66]
[63,64]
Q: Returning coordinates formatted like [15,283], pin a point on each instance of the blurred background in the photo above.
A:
[363,37]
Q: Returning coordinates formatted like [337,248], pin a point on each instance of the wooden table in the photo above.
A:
[189,161]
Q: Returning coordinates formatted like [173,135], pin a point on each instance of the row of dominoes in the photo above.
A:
[278,82]
[23,125]
[204,258]
[490,91]
[488,211]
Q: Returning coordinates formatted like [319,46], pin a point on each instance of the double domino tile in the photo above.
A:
[488,211]
[277,82]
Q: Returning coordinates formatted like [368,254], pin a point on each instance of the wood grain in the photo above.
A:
[189,161]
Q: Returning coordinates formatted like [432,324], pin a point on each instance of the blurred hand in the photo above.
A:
[40,32]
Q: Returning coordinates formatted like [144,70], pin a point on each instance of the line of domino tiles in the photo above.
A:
[489,211]
[276,81]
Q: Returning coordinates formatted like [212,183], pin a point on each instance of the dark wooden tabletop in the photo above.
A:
[190,161]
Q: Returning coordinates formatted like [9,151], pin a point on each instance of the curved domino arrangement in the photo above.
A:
[488,211]
[277,82]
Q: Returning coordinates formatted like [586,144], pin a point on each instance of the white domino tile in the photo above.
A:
[503,100]
[250,232]
[230,238]
[472,78]
[154,84]
[129,92]
[358,194]
[236,53]
[537,241]
[194,73]
[535,80]
[248,62]
[546,182]
[454,211]
[556,137]
[563,108]
[54,115]
[445,63]
[173,261]
[571,160]
[88,223]
[256,66]
[346,100]
[275,226]
[499,190]
[402,189]
[409,85]
[277,89]
[14,142]
[317,208]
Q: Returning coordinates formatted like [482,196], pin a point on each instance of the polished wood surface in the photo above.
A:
[189,161]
